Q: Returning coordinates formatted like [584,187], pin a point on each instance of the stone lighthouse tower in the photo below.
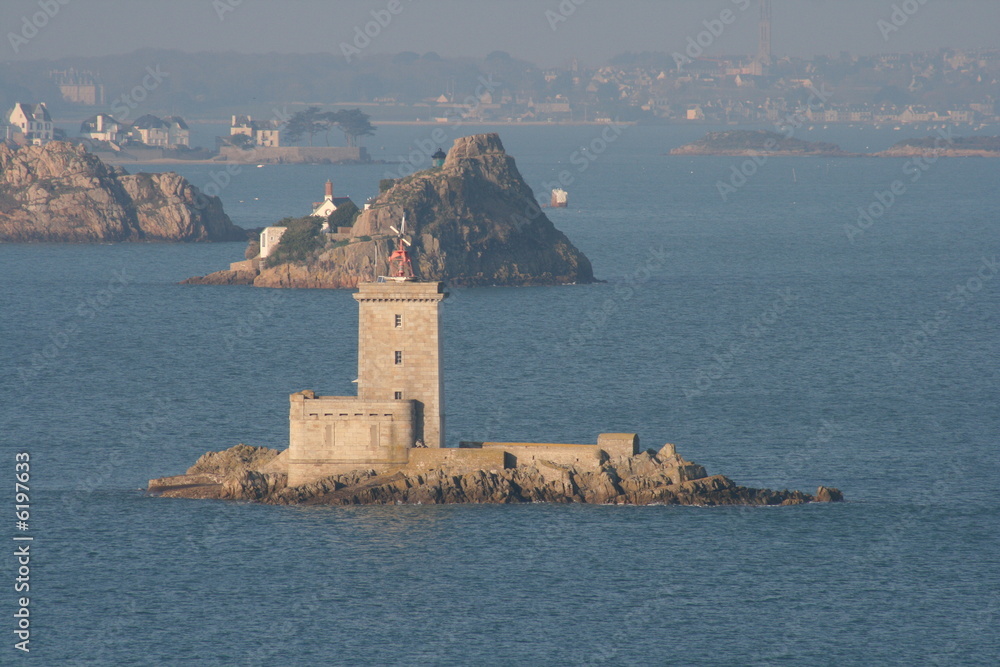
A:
[400,401]
[399,350]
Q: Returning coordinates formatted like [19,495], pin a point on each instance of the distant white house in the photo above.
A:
[323,209]
[33,121]
[103,127]
[263,132]
[149,130]
[178,133]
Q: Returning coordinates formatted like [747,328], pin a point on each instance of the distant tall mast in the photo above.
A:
[764,49]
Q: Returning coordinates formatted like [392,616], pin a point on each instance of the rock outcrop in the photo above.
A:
[650,478]
[61,193]
[472,222]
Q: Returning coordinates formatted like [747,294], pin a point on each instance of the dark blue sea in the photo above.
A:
[768,334]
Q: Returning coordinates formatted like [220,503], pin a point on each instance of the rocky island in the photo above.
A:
[757,142]
[61,193]
[253,474]
[472,221]
[387,445]
[944,147]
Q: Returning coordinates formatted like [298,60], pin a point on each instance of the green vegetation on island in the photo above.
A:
[945,146]
[752,142]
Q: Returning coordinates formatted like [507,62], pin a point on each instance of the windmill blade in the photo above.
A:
[405,241]
[403,226]
[398,233]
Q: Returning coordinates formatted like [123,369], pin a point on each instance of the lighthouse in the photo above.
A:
[400,401]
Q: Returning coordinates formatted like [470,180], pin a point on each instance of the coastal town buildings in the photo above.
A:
[79,86]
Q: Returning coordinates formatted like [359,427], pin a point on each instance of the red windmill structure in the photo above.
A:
[400,266]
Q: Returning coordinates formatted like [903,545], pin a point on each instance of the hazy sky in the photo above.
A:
[593,31]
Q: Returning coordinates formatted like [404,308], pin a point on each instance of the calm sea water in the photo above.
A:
[752,333]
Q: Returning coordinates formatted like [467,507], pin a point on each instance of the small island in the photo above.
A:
[387,445]
[942,147]
[758,142]
[472,220]
[59,192]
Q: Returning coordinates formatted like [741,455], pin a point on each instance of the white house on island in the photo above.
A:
[34,122]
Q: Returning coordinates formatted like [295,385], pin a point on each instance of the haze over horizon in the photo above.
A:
[545,32]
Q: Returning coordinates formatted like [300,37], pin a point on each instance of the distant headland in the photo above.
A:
[741,143]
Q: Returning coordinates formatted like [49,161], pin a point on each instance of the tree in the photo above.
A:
[344,216]
[244,141]
[309,122]
[300,240]
[354,124]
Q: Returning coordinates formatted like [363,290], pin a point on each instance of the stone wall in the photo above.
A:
[458,461]
[520,454]
[330,435]
[619,444]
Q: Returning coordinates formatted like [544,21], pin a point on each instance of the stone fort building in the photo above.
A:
[397,419]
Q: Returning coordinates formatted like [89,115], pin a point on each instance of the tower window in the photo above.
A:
[398,395]
[399,357]
[399,321]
